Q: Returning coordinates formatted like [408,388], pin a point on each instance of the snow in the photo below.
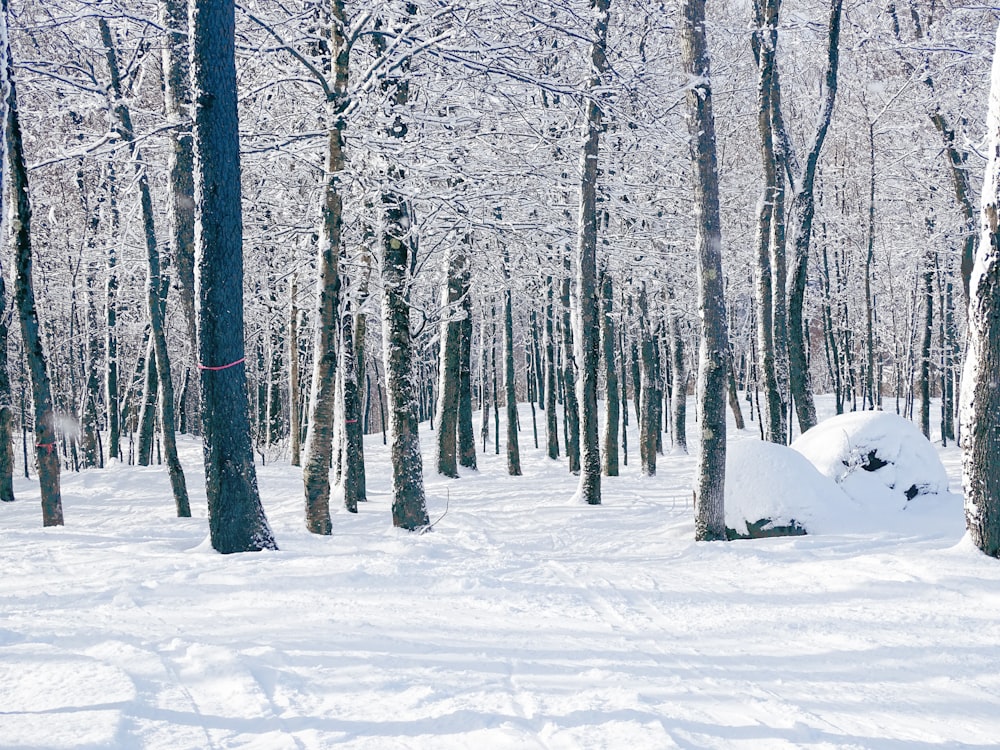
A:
[842,446]
[522,621]
[768,481]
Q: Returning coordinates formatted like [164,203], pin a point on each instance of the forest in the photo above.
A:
[596,209]
[583,374]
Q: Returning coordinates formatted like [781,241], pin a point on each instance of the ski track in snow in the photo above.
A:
[523,620]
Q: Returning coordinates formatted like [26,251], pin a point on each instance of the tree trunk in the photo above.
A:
[46,455]
[448,369]
[551,376]
[679,395]
[294,396]
[510,387]
[925,350]
[323,397]
[980,410]
[90,439]
[870,394]
[409,509]
[147,411]
[235,515]
[111,320]
[571,409]
[466,433]
[154,298]
[648,418]
[714,350]
[180,165]
[804,210]
[6,399]
[765,42]
[609,341]
[588,305]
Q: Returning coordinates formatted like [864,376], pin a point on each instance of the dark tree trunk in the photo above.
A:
[804,210]
[510,388]
[353,467]
[6,404]
[448,369]
[294,392]
[679,395]
[90,439]
[154,293]
[236,517]
[466,433]
[46,455]
[925,350]
[714,351]
[588,308]
[409,509]
[111,320]
[609,341]
[648,418]
[551,377]
[571,409]
[147,412]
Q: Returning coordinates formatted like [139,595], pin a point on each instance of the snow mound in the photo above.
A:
[775,485]
[875,457]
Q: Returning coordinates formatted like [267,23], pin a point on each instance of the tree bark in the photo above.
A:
[980,410]
[510,388]
[609,342]
[714,349]
[571,409]
[236,518]
[46,455]
[446,418]
[6,400]
[409,509]
[323,397]
[154,298]
[551,376]
[648,418]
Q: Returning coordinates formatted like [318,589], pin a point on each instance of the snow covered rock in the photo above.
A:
[772,490]
[875,456]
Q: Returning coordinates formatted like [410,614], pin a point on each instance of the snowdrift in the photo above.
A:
[772,490]
[875,457]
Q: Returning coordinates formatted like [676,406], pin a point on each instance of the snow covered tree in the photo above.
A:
[980,395]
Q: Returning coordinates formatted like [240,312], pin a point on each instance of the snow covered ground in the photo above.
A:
[522,621]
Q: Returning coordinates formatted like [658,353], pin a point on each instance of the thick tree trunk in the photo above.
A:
[235,515]
[980,410]
[46,455]
[714,350]
[409,509]
[588,304]
[446,418]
